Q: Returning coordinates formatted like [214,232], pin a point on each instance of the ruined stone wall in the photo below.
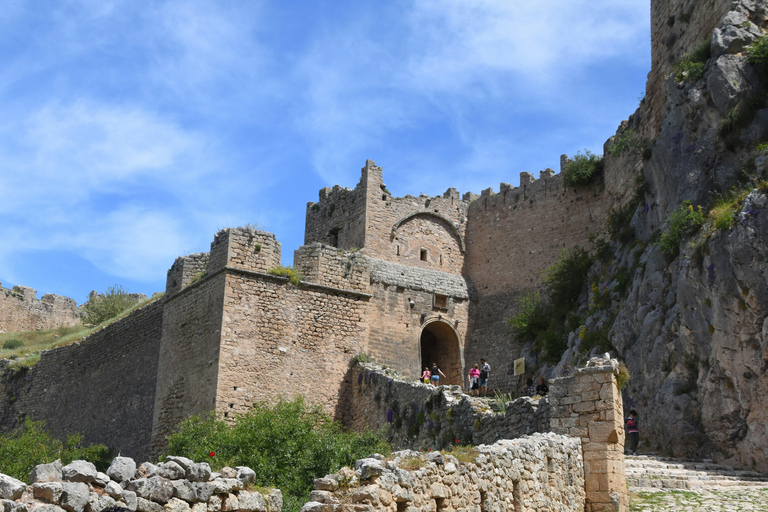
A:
[176,484]
[338,217]
[543,473]
[677,28]
[185,270]
[21,311]
[245,248]
[102,387]
[329,266]
[586,405]
[423,417]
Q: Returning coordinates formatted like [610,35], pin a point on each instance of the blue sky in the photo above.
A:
[130,132]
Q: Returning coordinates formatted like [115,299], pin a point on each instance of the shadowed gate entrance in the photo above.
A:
[439,343]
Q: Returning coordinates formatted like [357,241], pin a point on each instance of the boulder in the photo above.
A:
[10,488]
[46,473]
[74,496]
[121,469]
[79,471]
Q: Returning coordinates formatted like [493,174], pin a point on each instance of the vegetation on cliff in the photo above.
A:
[287,444]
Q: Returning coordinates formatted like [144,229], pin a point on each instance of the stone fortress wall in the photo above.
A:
[20,310]
[102,387]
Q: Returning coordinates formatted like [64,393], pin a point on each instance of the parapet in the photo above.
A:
[332,267]
[184,271]
[245,249]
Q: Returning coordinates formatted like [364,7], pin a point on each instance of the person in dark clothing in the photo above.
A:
[542,389]
[632,431]
[528,390]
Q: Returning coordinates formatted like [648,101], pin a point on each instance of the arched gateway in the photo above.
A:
[439,342]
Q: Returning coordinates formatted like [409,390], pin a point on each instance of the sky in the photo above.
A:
[132,131]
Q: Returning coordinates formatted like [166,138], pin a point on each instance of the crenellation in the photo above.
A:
[185,270]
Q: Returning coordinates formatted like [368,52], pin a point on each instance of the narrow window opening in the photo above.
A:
[423,255]
[441,259]
[398,250]
[384,197]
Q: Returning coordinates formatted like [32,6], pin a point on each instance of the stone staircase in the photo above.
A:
[650,472]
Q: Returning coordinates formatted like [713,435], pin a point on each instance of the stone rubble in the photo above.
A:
[176,485]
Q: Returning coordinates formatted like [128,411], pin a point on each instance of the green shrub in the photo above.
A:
[594,339]
[531,317]
[757,55]
[692,66]
[293,276]
[583,169]
[554,345]
[31,445]
[565,279]
[624,376]
[13,344]
[682,222]
[287,444]
[108,306]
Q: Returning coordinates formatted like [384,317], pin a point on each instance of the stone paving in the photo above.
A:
[660,484]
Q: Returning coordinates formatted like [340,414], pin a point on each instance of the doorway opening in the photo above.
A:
[440,344]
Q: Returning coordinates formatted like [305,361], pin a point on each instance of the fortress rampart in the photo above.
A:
[21,311]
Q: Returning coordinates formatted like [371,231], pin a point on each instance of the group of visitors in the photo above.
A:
[478,378]
[541,389]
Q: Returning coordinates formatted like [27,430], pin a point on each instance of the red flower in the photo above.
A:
[212,454]
[457,441]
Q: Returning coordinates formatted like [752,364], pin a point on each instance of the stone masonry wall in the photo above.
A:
[102,387]
[279,339]
[186,269]
[338,218]
[245,248]
[399,229]
[677,28]
[543,473]
[178,485]
[21,311]
[188,355]
[329,266]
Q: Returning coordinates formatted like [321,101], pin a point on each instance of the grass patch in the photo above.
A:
[464,454]
[287,444]
[293,276]
[757,55]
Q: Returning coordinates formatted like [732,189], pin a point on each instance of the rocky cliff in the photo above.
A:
[691,321]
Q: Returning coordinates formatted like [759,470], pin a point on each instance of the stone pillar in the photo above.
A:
[588,405]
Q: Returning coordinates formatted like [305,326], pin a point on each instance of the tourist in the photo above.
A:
[529,389]
[425,375]
[485,373]
[474,380]
[542,389]
[436,374]
[633,432]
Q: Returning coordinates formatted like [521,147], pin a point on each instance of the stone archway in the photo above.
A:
[439,342]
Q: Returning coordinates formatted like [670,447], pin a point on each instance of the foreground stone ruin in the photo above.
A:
[541,473]
[177,485]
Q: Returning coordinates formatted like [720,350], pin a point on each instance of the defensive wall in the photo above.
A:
[586,405]
[20,310]
[102,387]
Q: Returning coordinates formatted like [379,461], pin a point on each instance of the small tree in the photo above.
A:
[105,307]
[583,169]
